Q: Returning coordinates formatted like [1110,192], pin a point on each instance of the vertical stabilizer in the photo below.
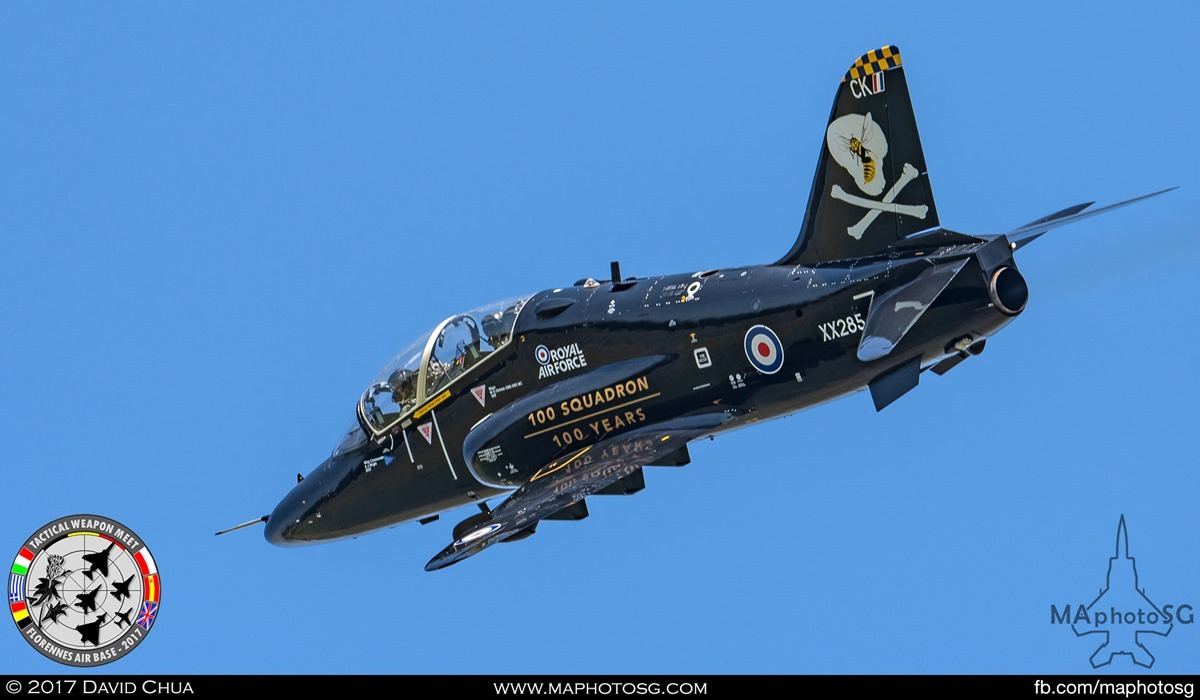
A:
[871,187]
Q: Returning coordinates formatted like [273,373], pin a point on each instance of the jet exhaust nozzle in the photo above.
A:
[1008,290]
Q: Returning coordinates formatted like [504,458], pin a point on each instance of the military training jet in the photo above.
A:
[547,399]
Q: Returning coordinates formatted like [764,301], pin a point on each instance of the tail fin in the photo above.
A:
[871,187]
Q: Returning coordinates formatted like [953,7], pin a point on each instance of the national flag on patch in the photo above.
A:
[21,615]
[146,617]
[145,562]
[21,563]
[16,588]
[151,587]
[876,81]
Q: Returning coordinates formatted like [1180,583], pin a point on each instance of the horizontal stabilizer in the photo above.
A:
[895,312]
[1069,211]
[1070,215]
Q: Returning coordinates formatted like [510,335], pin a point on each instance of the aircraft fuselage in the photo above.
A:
[587,363]
[551,399]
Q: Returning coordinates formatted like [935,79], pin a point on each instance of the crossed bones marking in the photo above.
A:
[875,208]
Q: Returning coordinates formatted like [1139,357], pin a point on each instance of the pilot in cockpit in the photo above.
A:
[403,384]
[467,346]
[498,326]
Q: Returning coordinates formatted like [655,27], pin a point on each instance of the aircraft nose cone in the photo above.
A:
[285,521]
[294,520]
[297,518]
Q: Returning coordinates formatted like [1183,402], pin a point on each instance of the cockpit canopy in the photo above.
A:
[434,361]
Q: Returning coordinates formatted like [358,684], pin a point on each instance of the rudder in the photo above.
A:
[871,186]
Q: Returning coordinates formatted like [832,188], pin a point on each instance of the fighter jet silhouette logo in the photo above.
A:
[1125,610]
[84,590]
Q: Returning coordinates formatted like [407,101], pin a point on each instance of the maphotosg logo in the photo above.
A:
[1122,613]
[84,590]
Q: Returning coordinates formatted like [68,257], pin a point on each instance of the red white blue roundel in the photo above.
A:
[542,353]
[764,350]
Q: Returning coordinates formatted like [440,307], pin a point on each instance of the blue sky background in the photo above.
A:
[218,221]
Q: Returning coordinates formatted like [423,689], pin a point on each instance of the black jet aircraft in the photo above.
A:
[98,562]
[547,399]
[120,589]
[91,631]
[86,601]
[122,618]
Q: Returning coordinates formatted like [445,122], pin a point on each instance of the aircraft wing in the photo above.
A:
[562,484]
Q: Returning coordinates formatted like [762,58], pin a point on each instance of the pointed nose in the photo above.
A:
[286,522]
[296,520]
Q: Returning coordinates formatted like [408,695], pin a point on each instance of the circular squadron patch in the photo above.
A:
[84,590]
[764,350]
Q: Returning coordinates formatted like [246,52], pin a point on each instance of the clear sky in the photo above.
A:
[218,221]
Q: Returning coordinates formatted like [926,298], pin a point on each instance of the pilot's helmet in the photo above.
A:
[401,382]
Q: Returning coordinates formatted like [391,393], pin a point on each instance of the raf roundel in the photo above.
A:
[543,355]
[764,350]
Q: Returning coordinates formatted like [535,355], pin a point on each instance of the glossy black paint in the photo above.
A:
[872,293]
[652,334]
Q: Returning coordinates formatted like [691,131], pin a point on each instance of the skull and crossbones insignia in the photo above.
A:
[858,144]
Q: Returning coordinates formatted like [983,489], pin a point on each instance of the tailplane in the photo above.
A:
[871,187]
[1027,233]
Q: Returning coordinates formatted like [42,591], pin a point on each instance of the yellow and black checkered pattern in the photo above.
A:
[874,62]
